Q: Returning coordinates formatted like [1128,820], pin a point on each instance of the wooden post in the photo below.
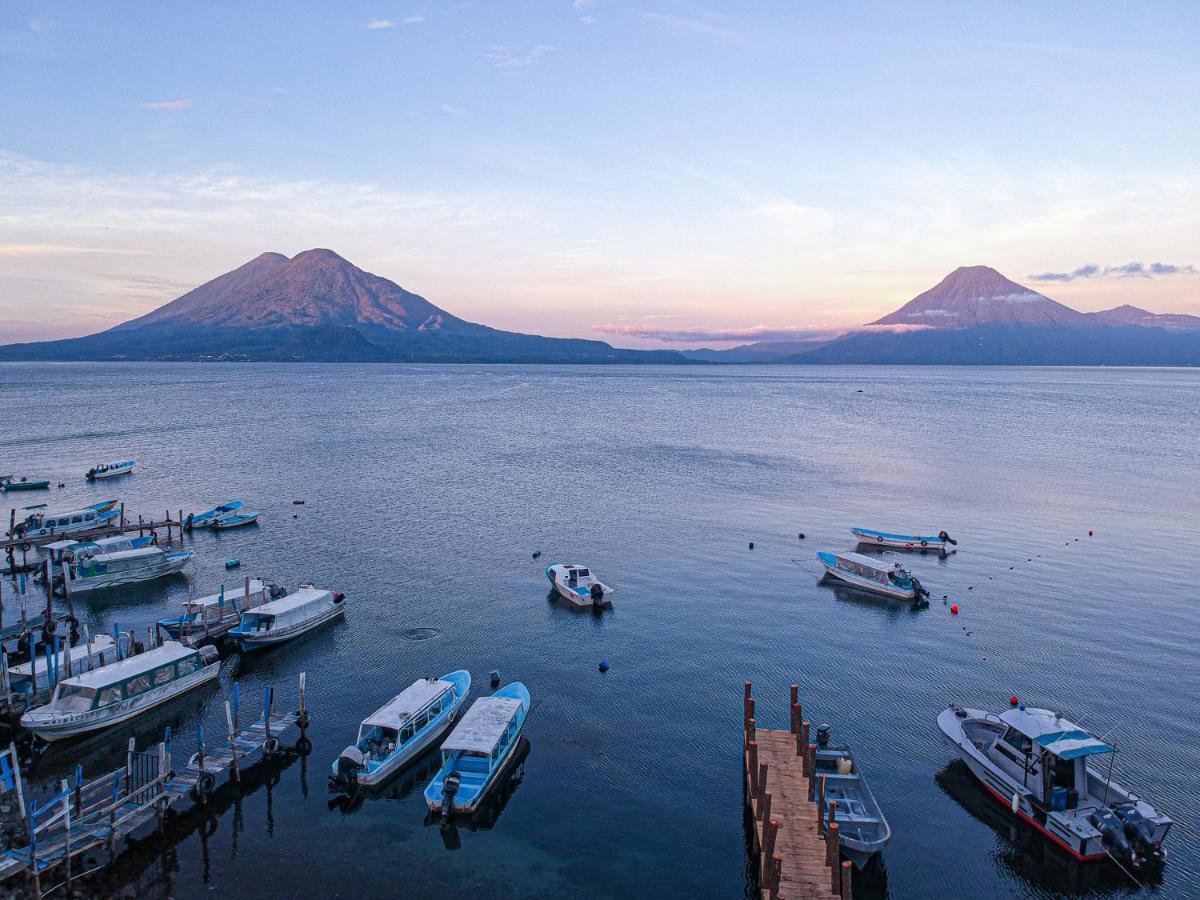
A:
[49,573]
[764,807]
[66,805]
[770,831]
[140,525]
[795,701]
[129,767]
[847,869]
[752,730]
[776,873]
[752,767]
[812,771]
[832,848]
[122,528]
[801,745]
[821,805]
[168,526]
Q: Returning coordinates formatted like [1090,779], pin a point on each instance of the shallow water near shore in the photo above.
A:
[427,490]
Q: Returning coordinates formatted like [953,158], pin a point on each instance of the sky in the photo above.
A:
[652,172]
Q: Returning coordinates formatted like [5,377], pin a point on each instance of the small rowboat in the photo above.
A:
[110,470]
[862,829]
[402,729]
[941,543]
[24,484]
[197,520]
[232,521]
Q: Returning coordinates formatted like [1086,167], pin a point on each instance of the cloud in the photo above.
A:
[453,110]
[412,20]
[703,23]
[506,58]
[379,24]
[167,104]
[1128,270]
[34,250]
[719,335]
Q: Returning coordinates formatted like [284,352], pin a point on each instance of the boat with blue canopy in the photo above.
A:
[1037,764]
[402,729]
[233,520]
[110,470]
[872,574]
[76,521]
[939,543]
[478,751]
[198,520]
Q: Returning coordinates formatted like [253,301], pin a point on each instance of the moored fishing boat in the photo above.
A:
[88,570]
[76,521]
[122,690]
[34,674]
[198,520]
[233,520]
[862,829]
[59,551]
[24,484]
[939,543]
[1035,763]
[478,750]
[220,611]
[402,729]
[871,574]
[110,470]
[288,617]
[578,585]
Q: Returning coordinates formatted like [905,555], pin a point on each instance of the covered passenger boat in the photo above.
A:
[872,574]
[110,470]
[87,570]
[76,521]
[287,618]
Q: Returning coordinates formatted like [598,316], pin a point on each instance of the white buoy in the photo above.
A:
[1016,801]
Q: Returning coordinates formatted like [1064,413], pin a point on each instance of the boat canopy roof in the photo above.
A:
[484,724]
[1052,732]
[234,593]
[99,644]
[168,652]
[302,597]
[410,701]
[871,562]
[135,553]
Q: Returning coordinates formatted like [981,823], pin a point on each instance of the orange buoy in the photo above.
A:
[954,609]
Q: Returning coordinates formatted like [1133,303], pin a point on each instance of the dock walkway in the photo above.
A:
[795,860]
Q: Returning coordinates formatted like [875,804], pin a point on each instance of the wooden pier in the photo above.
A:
[795,860]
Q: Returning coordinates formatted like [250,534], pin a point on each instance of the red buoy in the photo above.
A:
[1014,699]
[954,609]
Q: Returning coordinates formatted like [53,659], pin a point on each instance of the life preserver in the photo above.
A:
[879,539]
[924,543]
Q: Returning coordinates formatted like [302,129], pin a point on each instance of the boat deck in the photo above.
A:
[792,853]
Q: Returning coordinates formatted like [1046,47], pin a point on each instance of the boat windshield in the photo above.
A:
[74,698]
[582,573]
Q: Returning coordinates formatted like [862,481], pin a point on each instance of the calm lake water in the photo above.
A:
[429,488]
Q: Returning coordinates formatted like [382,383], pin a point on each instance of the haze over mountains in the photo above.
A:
[316,306]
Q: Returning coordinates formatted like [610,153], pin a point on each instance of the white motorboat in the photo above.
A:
[1035,763]
[219,611]
[76,521]
[939,543]
[121,691]
[90,571]
[402,729]
[578,585]
[288,617]
[110,470]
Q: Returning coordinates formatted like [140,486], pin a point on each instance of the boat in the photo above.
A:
[940,543]
[862,829]
[1035,763]
[110,470]
[88,570]
[59,551]
[579,585]
[24,484]
[875,575]
[33,674]
[220,611]
[478,750]
[121,691]
[233,520]
[288,617]
[402,729]
[76,521]
[197,520]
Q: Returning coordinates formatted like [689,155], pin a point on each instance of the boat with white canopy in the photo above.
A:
[121,691]
[478,750]
[288,617]
[218,612]
[1036,763]
[35,674]
[939,543]
[872,574]
[57,552]
[402,729]
[110,470]
[88,570]
[76,521]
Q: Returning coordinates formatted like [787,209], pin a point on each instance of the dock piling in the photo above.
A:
[847,870]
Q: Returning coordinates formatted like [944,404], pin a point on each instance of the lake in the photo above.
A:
[429,488]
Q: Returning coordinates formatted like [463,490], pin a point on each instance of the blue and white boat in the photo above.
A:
[35,674]
[478,750]
[233,520]
[402,729]
[87,570]
[872,574]
[288,617]
[206,518]
[218,611]
[110,470]
[60,551]
[578,585]
[76,521]
[941,543]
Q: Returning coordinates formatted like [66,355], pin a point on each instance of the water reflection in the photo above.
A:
[409,780]
[488,813]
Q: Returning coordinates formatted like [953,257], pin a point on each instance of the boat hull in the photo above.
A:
[250,641]
[868,584]
[110,474]
[236,521]
[25,486]
[411,752]
[63,727]
[171,566]
[869,538]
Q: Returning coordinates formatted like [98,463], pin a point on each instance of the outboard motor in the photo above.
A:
[824,733]
[349,764]
[942,536]
[1139,831]
[919,588]
[597,592]
[1112,833]
[449,791]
